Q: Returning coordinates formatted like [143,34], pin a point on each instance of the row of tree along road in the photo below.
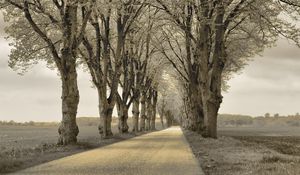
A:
[174,55]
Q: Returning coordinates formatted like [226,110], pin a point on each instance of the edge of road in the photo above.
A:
[194,156]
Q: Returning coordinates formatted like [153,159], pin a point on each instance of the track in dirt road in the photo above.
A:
[159,153]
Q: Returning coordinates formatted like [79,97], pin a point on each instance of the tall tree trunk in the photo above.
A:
[143,112]
[212,108]
[193,102]
[122,116]
[187,113]
[136,112]
[148,121]
[109,121]
[212,99]
[162,112]
[105,122]
[153,119]
[162,120]
[196,119]
[149,112]
[107,103]
[68,129]
[212,89]
[105,112]
[153,114]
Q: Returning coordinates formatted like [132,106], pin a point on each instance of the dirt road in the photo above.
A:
[159,153]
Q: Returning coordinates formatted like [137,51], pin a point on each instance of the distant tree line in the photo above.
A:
[29,123]
[267,120]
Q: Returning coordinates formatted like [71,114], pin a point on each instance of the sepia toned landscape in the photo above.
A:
[150,87]
[246,145]
[261,145]
[27,144]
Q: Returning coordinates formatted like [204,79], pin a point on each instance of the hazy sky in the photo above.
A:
[269,84]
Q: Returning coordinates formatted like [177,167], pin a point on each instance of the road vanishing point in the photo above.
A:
[163,152]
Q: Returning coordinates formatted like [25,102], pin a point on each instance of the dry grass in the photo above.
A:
[247,155]
[25,146]
[283,144]
[12,159]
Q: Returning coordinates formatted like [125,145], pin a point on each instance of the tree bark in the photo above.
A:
[143,112]
[162,111]
[153,105]
[136,94]
[162,121]
[194,106]
[105,112]
[136,112]
[149,111]
[108,122]
[123,116]
[212,97]
[68,129]
[212,113]
[107,103]
[105,123]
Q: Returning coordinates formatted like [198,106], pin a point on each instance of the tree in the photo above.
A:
[169,118]
[135,66]
[131,44]
[105,54]
[267,115]
[57,40]
[161,108]
[169,96]
[211,31]
[154,109]
[140,63]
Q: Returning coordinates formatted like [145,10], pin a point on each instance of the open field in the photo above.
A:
[249,151]
[31,136]
[25,146]
[259,131]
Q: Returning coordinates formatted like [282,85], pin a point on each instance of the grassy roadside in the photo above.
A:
[17,158]
[13,159]
[246,155]
[25,146]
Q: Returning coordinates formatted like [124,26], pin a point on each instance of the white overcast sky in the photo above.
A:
[269,84]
